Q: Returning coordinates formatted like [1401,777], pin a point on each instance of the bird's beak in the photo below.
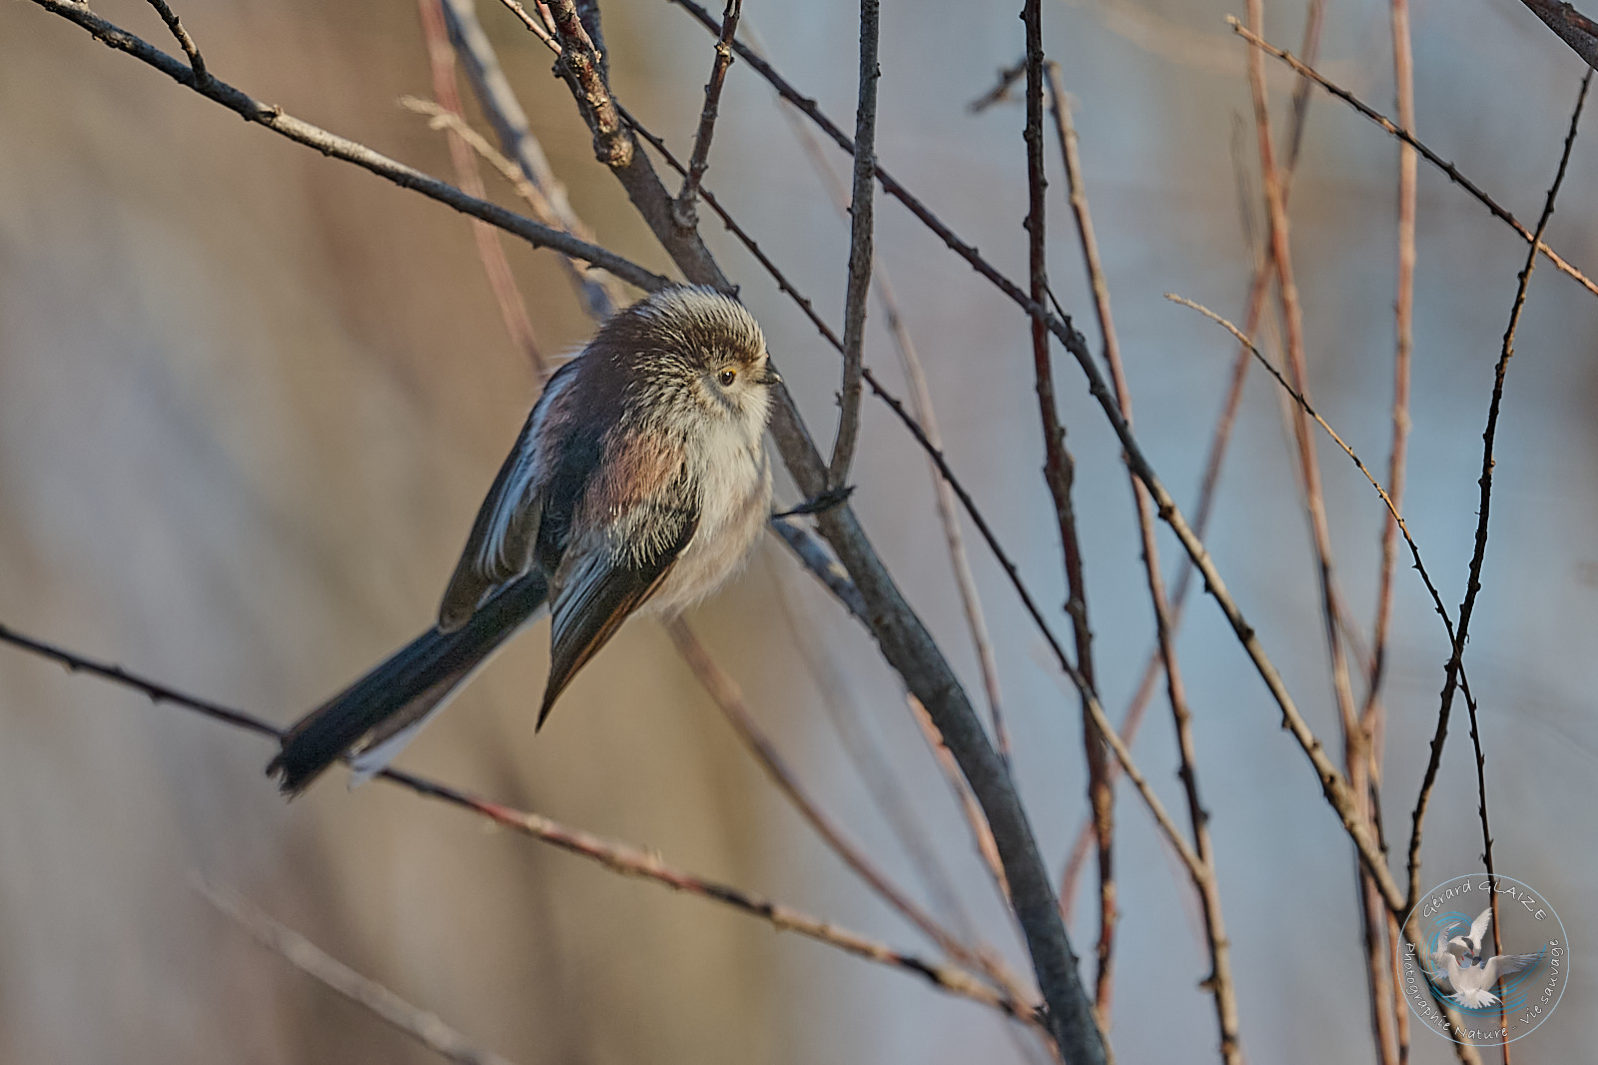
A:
[770,376]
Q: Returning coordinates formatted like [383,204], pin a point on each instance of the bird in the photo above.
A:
[1471,942]
[1460,972]
[640,481]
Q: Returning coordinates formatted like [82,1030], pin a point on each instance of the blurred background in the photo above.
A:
[250,399]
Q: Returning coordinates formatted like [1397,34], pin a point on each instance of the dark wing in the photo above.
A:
[599,585]
[500,546]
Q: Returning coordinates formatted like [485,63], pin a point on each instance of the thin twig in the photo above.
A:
[922,425]
[1410,139]
[727,696]
[1277,235]
[1059,473]
[424,1026]
[1455,665]
[601,294]
[862,231]
[1390,1012]
[1303,404]
[1333,784]
[616,856]
[185,42]
[490,251]
[1220,440]
[910,650]
[535,26]
[926,415]
[1202,867]
[1356,754]
[699,158]
[981,832]
[330,144]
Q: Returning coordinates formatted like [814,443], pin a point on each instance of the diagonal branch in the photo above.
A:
[1498,211]
[1455,666]
[725,693]
[1572,27]
[331,144]
[424,1026]
[617,857]
[1333,784]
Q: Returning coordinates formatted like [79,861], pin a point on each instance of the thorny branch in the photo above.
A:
[1574,28]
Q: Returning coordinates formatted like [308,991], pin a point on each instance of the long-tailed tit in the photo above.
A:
[639,481]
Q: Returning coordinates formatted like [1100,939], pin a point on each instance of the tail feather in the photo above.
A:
[387,706]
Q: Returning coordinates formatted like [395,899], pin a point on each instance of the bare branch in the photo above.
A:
[1220,440]
[1333,784]
[1574,28]
[699,158]
[617,857]
[861,235]
[1455,667]
[727,696]
[926,415]
[424,1026]
[185,42]
[600,292]
[1201,867]
[1426,153]
[330,144]
[1059,473]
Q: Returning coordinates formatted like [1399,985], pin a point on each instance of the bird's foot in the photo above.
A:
[830,499]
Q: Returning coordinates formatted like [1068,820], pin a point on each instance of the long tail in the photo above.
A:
[383,710]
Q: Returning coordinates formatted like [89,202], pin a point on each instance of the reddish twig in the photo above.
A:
[1426,153]
[1220,440]
[501,282]
[1202,868]
[727,696]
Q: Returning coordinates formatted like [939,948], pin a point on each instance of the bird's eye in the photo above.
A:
[726,377]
